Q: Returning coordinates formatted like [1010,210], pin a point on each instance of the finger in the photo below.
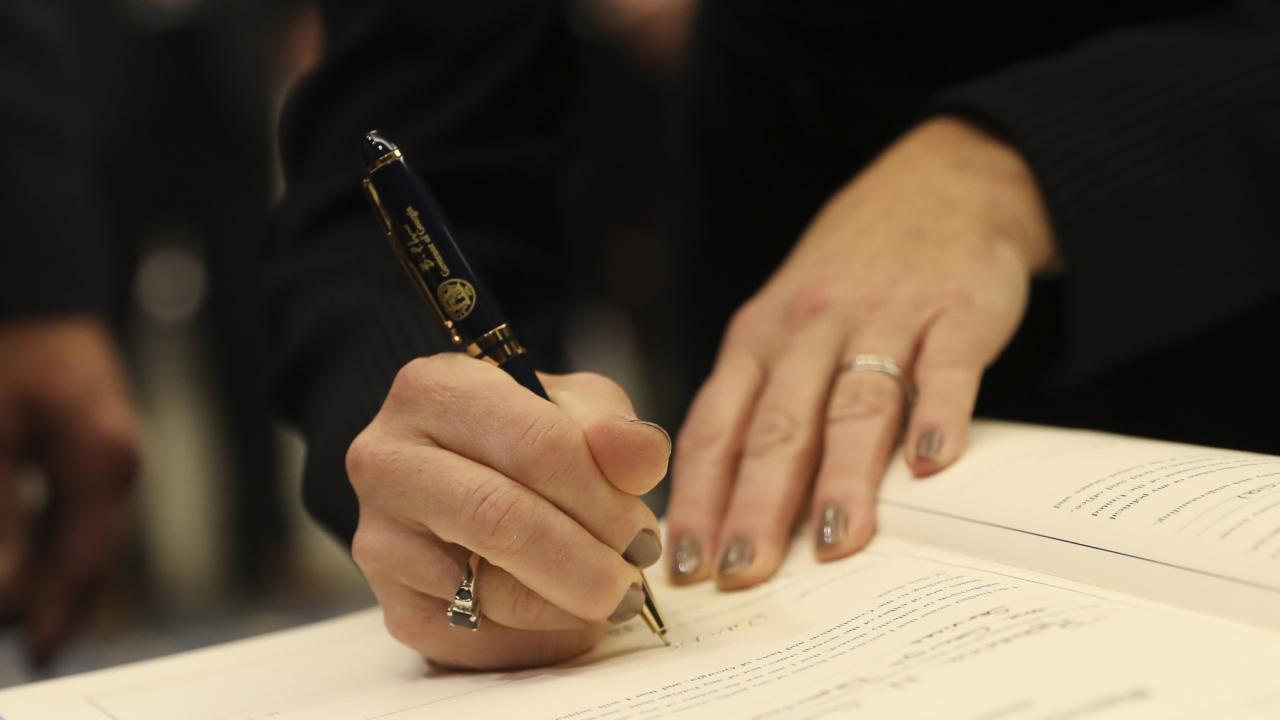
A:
[49,618]
[419,621]
[13,536]
[779,455]
[862,424]
[706,458]
[13,517]
[473,409]
[505,522]
[426,565]
[91,461]
[631,453]
[947,376]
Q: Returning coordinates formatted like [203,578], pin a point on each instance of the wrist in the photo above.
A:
[1012,201]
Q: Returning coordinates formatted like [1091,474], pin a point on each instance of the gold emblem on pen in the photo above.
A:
[457,298]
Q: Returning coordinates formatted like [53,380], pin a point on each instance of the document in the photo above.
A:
[1194,526]
[961,628]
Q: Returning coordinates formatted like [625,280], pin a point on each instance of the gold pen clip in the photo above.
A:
[375,201]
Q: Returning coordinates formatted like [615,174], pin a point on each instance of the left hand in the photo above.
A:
[925,258]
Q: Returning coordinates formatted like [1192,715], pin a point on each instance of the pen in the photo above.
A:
[465,307]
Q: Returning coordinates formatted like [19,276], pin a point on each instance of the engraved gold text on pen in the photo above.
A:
[420,244]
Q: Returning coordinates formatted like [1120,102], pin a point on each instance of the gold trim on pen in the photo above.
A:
[496,346]
[486,342]
[385,160]
[376,201]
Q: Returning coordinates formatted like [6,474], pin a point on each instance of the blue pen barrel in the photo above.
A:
[416,228]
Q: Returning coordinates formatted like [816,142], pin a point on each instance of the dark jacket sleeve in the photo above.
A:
[1157,150]
[477,95]
[46,235]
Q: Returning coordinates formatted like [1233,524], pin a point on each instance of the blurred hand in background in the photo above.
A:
[65,412]
[653,33]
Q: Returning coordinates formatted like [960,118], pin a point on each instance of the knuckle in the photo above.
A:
[811,302]
[423,377]
[366,456]
[874,300]
[411,378]
[859,399]
[546,434]
[949,300]
[773,429]
[947,375]
[547,446]
[529,608]
[367,550]
[959,298]
[745,323]
[499,519]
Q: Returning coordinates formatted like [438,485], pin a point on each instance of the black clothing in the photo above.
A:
[120,137]
[48,253]
[1151,128]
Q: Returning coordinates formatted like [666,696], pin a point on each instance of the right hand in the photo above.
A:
[461,458]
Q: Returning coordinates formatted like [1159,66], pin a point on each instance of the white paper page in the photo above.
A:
[1180,523]
[900,631]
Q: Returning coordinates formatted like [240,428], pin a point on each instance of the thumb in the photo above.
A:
[631,453]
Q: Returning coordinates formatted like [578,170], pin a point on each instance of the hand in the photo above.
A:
[459,459]
[925,257]
[63,408]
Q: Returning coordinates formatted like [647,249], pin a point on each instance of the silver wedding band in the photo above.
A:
[882,364]
[464,611]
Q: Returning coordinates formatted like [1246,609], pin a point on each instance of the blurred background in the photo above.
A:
[178,107]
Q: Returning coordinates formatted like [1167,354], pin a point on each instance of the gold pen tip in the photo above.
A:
[652,616]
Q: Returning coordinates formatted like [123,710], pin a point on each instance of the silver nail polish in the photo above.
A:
[929,444]
[738,554]
[630,606]
[687,560]
[831,526]
[645,549]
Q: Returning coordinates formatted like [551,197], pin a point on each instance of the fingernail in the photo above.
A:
[687,560]
[630,605]
[929,444]
[645,549]
[737,556]
[831,526]
[657,427]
